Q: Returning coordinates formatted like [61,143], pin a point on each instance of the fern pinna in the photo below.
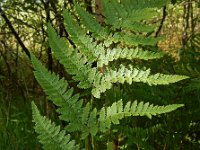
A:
[105,46]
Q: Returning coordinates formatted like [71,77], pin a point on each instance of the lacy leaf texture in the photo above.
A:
[122,37]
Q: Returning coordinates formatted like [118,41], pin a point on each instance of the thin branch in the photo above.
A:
[162,21]
[2,13]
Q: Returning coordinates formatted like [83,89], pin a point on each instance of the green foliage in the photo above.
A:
[78,61]
[86,119]
[116,64]
[16,128]
[50,135]
[131,75]
[128,13]
[71,61]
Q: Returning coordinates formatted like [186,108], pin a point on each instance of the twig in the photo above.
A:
[162,21]
[2,13]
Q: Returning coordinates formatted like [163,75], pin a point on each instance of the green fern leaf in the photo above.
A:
[137,26]
[124,74]
[125,12]
[50,135]
[103,33]
[120,16]
[113,114]
[74,62]
[83,42]
[57,92]
[92,122]
[91,23]
[137,4]
[126,53]
[135,39]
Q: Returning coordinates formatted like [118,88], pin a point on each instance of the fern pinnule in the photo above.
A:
[114,113]
[130,4]
[137,26]
[135,40]
[143,132]
[125,53]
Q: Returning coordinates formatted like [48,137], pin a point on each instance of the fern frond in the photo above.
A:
[128,15]
[50,135]
[94,121]
[137,26]
[74,63]
[135,39]
[70,106]
[130,75]
[91,23]
[194,84]
[84,43]
[84,119]
[114,113]
[143,132]
[137,4]
[103,33]
[119,13]
[188,69]
[126,53]
[57,91]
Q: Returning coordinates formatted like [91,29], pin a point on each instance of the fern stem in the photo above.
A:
[138,146]
[93,144]
[86,143]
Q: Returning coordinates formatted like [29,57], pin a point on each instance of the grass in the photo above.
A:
[16,127]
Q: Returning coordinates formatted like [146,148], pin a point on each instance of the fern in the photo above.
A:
[104,33]
[82,116]
[76,64]
[83,42]
[128,14]
[116,112]
[187,69]
[131,75]
[86,119]
[50,135]
[92,24]
[129,54]
[139,135]
[57,91]
[119,15]
[72,61]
